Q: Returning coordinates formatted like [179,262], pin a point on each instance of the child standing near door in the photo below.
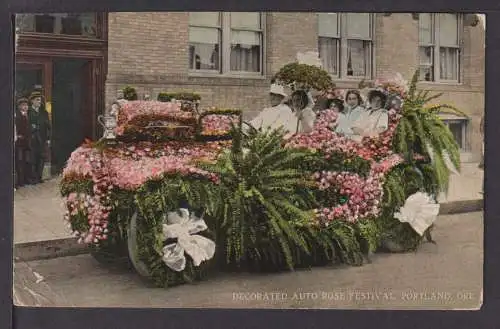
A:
[22,144]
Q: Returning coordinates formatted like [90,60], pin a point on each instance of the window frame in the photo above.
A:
[464,122]
[101,26]
[342,52]
[436,49]
[225,50]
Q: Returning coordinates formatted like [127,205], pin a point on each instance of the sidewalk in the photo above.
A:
[39,230]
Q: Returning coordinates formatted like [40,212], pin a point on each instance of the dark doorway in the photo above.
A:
[70,108]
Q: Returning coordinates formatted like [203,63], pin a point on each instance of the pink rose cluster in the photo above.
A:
[381,146]
[96,214]
[362,196]
[79,163]
[130,174]
[324,139]
[98,204]
[218,124]
[126,168]
[132,109]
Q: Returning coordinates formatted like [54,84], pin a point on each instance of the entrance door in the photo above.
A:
[71,94]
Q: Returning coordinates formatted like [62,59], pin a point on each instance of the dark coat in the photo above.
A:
[23,131]
[40,127]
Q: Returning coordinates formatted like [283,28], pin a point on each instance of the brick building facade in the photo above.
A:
[150,51]
[80,61]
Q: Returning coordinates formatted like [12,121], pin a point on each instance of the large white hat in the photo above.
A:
[278,90]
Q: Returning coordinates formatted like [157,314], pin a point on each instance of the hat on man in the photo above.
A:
[278,90]
[22,100]
[35,94]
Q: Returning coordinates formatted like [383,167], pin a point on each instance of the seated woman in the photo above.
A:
[302,105]
[272,117]
[373,121]
[350,113]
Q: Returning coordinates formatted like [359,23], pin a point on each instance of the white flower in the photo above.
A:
[184,227]
[420,211]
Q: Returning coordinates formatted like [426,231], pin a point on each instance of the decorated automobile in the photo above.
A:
[183,192]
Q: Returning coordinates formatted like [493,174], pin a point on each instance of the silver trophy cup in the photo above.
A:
[109,122]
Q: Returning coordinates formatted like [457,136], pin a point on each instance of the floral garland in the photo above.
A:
[360,197]
[96,206]
[215,124]
[126,168]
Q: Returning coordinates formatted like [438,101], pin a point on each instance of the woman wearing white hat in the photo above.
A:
[272,117]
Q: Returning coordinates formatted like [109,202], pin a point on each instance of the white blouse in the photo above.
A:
[347,118]
[371,123]
[283,116]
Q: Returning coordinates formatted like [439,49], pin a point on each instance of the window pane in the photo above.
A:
[358,25]
[248,20]
[448,61]
[245,51]
[328,49]
[204,48]
[83,24]
[211,18]
[328,25]
[457,129]
[203,56]
[245,38]
[358,57]
[25,22]
[203,35]
[426,73]
[448,29]
[425,55]
[425,29]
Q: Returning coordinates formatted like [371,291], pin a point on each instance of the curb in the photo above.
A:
[39,250]
[460,207]
[48,249]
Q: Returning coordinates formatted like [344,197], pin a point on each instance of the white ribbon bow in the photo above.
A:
[184,226]
[420,211]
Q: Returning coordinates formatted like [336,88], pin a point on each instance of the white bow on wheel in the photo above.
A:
[420,211]
[184,227]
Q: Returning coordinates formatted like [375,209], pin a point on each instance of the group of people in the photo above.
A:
[297,113]
[31,138]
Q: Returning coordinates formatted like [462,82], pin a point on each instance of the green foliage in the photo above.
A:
[153,200]
[129,93]
[259,207]
[303,76]
[420,128]
[81,185]
[401,182]
[186,96]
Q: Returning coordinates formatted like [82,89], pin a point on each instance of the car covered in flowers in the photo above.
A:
[182,193]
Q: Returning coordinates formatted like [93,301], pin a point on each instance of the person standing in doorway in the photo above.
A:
[40,132]
[22,144]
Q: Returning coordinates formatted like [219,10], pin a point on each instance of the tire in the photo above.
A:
[139,266]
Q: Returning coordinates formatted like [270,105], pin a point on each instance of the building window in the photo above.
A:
[345,44]
[440,46]
[458,128]
[226,43]
[83,24]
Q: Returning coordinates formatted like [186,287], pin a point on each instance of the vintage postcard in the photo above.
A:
[249,160]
